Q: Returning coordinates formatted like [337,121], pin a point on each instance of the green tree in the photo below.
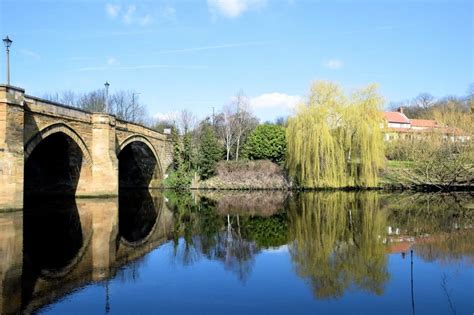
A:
[187,153]
[177,160]
[180,178]
[335,140]
[209,151]
[267,141]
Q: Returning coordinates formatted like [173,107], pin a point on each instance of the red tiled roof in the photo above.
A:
[396,117]
[399,247]
[453,131]
[428,123]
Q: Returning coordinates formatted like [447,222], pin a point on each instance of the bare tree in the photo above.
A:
[187,121]
[93,101]
[65,97]
[244,121]
[424,100]
[225,125]
[470,97]
[125,105]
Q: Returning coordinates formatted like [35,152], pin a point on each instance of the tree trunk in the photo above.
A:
[237,149]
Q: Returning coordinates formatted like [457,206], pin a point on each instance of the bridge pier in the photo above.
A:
[104,181]
[11,248]
[11,147]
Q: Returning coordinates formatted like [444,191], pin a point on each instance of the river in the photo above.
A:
[164,252]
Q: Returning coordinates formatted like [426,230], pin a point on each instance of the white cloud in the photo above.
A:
[128,16]
[203,48]
[168,116]
[169,13]
[147,19]
[140,67]
[233,8]
[30,54]
[333,64]
[111,61]
[274,100]
[112,10]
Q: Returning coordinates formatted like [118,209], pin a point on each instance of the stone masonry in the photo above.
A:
[25,121]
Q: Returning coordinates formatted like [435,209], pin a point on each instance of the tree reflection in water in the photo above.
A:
[441,223]
[207,234]
[337,242]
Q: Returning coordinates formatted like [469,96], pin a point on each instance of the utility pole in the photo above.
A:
[412,291]
[133,106]
[8,42]
[213,116]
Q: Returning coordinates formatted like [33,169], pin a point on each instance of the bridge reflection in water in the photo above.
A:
[59,244]
[337,243]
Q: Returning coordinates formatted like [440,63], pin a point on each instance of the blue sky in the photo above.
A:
[196,54]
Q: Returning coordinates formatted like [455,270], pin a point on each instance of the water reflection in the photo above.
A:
[52,238]
[59,244]
[438,226]
[138,214]
[337,243]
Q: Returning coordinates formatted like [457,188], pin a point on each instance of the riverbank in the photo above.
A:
[265,175]
[247,175]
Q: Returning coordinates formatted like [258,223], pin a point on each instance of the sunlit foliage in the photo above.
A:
[335,140]
[338,242]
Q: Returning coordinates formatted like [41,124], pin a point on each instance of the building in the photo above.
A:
[399,127]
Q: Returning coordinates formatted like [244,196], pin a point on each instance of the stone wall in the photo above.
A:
[11,147]
[26,120]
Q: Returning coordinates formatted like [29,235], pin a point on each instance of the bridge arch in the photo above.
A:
[57,128]
[139,216]
[57,161]
[138,155]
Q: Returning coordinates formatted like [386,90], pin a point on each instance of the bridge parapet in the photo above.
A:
[45,107]
[26,121]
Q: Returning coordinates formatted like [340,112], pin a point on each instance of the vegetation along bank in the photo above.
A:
[333,140]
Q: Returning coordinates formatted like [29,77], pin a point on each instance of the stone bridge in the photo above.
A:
[46,147]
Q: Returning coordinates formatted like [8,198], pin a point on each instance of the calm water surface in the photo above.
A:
[240,253]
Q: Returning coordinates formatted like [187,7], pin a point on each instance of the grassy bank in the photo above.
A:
[249,175]
[408,175]
[265,175]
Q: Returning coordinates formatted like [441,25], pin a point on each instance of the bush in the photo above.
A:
[262,174]
[179,179]
[266,142]
[399,150]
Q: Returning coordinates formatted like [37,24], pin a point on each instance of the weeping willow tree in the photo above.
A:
[335,140]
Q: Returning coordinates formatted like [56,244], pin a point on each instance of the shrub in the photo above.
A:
[266,142]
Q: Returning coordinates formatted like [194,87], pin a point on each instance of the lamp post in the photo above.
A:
[106,84]
[8,42]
